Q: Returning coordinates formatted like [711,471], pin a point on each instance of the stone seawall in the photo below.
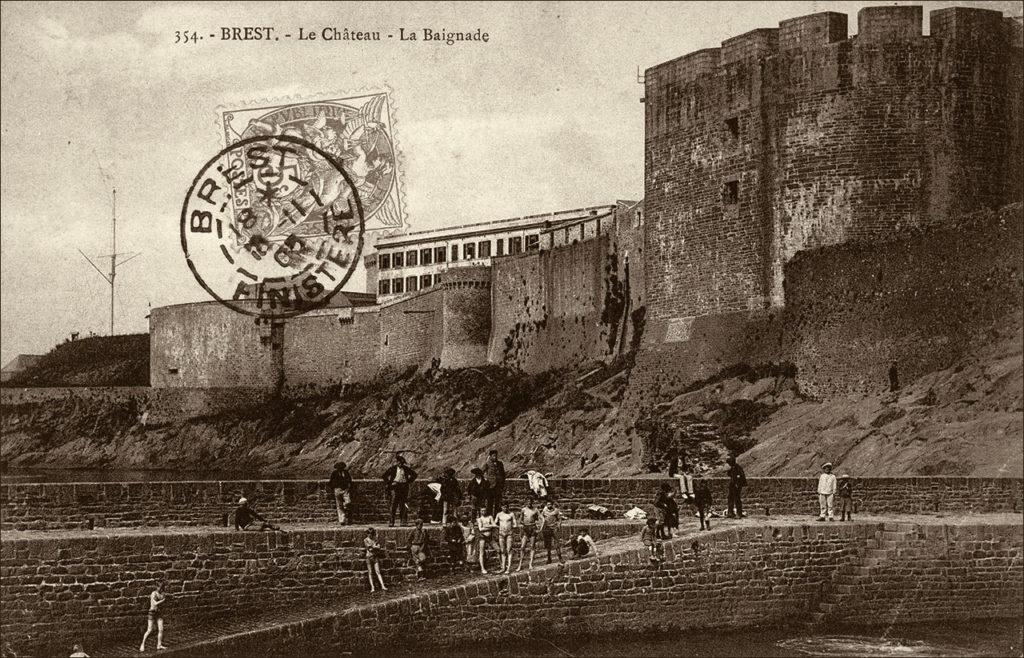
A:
[732,578]
[88,587]
[154,504]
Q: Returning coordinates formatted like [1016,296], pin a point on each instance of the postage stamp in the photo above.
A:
[273,225]
[358,130]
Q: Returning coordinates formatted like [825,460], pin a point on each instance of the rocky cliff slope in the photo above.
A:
[964,420]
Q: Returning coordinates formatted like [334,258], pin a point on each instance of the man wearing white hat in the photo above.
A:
[826,492]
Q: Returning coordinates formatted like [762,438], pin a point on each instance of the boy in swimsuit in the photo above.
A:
[506,523]
[373,552]
[550,522]
[485,530]
[530,515]
[156,618]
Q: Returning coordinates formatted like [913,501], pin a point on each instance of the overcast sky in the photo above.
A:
[545,116]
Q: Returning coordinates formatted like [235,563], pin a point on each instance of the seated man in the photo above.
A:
[245,516]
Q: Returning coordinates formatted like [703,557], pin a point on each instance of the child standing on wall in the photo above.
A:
[468,538]
[649,536]
[418,547]
[156,617]
[506,524]
[486,527]
[550,522]
[826,492]
[374,551]
[530,514]
[702,499]
[845,498]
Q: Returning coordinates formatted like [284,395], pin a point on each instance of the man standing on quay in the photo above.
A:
[494,471]
[826,492]
[397,480]
[737,480]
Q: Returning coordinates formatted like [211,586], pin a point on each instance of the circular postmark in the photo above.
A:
[272,226]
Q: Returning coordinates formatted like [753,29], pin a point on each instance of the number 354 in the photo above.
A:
[186,36]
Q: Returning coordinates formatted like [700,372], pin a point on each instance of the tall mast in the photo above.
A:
[113,255]
[109,278]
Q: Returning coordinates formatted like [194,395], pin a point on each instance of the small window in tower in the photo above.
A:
[731,193]
[733,126]
[173,371]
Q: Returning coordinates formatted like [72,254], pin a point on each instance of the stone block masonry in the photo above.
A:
[800,137]
[58,589]
[197,503]
[782,573]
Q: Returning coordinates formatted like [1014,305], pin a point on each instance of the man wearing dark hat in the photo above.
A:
[494,471]
[398,479]
[737,480]
[826,492]
[340,483]
[479,489]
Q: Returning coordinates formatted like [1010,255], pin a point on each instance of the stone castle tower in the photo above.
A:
[798,137]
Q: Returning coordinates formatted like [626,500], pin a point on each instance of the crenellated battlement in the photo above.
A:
[802,136]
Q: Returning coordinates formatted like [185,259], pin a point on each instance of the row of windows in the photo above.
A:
[469,251]
[408,284]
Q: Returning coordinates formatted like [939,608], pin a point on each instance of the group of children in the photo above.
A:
[487,534]
[471,541]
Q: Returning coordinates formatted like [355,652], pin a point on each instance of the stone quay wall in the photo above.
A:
[199,503]
[732,578]
[59,590]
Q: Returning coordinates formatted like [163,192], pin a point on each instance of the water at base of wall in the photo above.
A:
[1003,637]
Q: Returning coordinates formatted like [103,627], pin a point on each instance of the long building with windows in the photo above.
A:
[410,262]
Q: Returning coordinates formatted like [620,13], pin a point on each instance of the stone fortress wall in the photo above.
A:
[800,137]
[582,310]
[782,141]
[781,574]
[93,587]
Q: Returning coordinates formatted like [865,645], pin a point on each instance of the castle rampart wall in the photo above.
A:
[797,138]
